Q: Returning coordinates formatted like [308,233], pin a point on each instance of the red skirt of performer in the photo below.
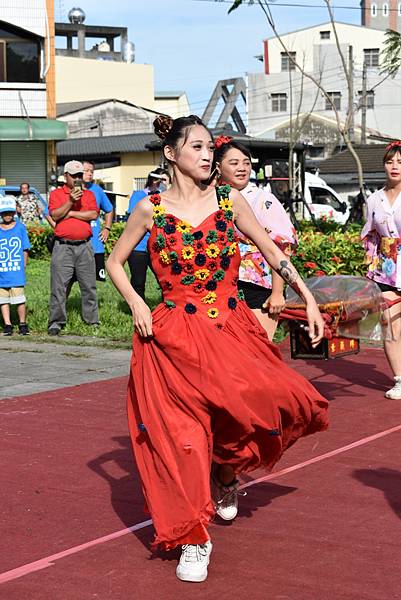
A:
[208,386]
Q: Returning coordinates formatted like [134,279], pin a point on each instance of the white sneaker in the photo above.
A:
[194,562]
[225,498]
[395,392]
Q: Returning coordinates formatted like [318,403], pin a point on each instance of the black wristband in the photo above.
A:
[108,228]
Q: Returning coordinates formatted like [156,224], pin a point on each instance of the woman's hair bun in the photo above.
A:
[162,125]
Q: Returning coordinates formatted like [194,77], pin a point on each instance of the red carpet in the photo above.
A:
[327,531]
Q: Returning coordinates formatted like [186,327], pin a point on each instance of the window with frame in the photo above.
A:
[325,35]
[335,99]
[19,58]
[385,9]
[279,102]
[373,9]
[371,57]
[370,98]
[286,62]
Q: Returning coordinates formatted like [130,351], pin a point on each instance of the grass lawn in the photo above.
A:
[115,317]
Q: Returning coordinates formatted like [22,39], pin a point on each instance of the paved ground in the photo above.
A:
[325,525]
[29,366]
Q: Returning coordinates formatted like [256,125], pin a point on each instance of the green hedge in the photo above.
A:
[326,252]
[329,251]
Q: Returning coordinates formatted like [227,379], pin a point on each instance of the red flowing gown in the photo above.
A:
[208,386]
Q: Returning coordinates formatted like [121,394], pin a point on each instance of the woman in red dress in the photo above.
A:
[208,392]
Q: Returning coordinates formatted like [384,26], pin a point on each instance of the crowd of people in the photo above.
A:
[220,247]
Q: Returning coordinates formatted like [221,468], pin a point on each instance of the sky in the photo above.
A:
[194,43]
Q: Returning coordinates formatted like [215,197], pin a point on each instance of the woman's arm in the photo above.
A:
[247,223]
[138,224]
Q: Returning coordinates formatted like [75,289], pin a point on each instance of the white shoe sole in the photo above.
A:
[194,577]
[220,513]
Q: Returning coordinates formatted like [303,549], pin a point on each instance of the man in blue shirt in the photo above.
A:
[138,261]
[99,235]
[14,247]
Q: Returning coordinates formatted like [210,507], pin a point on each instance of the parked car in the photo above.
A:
[323,201]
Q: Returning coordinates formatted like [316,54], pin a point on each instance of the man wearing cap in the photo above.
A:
[72,208]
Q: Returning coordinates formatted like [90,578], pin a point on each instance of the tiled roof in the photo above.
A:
[66,108]
[371,157]
[105,146]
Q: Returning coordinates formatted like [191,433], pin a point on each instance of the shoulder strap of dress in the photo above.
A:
[155,199]
[223,191]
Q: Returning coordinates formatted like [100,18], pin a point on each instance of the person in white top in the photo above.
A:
[382,239]
[262,287]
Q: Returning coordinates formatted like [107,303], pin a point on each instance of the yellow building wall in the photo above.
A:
[81,79]
[133,165]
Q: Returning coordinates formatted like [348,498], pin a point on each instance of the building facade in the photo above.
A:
[381,14]
[28,125]
[282,94]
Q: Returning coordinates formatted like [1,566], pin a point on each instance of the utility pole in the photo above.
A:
[351,93]
[364,101]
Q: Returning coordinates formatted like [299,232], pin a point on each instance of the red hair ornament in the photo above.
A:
[224,139]
[395,144]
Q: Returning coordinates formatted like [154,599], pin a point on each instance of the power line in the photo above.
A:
[295,5]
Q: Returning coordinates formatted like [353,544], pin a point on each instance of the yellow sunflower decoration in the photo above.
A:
[212,251]
[187,253]
[202,274]
[209,298]
[213,313]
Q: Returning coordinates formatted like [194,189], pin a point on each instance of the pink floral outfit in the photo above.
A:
[272,216]
[381,236]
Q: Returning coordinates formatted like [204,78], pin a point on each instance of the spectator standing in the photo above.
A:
[72,208]
[138,260]
[99,235]
[30,209]
[14,247]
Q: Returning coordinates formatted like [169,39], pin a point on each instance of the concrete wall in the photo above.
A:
[80,79]
[303,42]
[111,118]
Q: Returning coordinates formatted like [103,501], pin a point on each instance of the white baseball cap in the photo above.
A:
[8,204]
[73,167]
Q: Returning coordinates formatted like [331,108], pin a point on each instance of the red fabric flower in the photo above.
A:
[320,273]
[155,199]
[395,144]
[221,140]
[189,268]
[310,265]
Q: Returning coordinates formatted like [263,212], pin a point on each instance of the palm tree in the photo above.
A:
[391,53]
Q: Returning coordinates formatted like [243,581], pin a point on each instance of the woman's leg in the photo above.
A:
[392,348]
[268,323]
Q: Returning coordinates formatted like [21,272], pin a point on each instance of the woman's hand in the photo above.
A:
[274,304]
[142,317]
[315,322]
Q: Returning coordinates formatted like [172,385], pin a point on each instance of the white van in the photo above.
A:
[323,201]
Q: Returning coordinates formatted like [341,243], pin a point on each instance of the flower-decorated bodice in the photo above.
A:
[197,267]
